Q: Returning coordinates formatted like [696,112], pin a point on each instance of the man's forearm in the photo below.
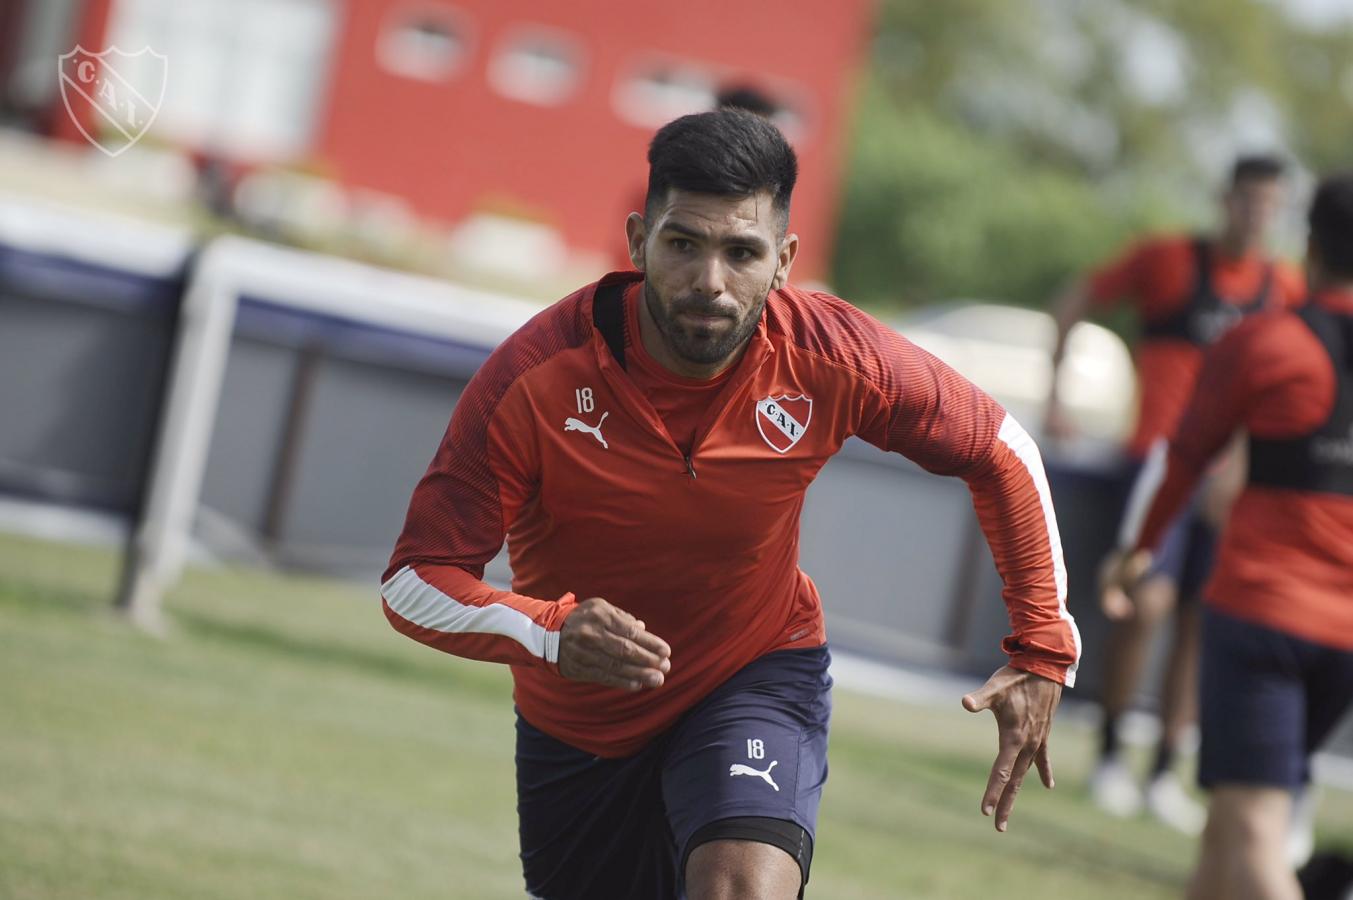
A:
[1163,487]
[1014,507]
[450,609]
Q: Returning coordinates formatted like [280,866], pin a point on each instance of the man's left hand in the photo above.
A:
[1119,575]
[1023,704]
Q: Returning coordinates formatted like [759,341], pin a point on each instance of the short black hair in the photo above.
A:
[1331,221]
[725,152]
[744,96]
[1259,167]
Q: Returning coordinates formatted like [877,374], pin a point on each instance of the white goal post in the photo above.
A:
[228,269]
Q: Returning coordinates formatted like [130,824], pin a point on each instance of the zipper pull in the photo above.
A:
[690,467]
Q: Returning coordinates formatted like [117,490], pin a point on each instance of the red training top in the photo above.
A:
[1159,278]
[1286,557]
[553,445]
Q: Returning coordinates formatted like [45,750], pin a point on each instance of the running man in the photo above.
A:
[1277,656]
[1186,291]
[645,445]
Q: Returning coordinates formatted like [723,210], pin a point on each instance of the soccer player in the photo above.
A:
[1185,291]
[644,445]
[1277,655]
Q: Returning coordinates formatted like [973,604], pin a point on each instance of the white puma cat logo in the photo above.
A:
[572,424]
[740,769]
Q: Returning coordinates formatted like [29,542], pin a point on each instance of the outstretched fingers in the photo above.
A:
[1023,705]
[987,695]
[1011,790]
[1045,766]
[1002,771]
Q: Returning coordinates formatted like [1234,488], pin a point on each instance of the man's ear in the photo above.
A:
[789,249]
[636,234]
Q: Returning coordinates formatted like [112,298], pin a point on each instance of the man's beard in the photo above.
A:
[699,346]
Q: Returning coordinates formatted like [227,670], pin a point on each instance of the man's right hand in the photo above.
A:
[604,644]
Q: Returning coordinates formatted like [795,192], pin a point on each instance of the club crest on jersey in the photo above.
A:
[783,420]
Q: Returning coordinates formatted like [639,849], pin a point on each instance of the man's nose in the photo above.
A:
[709,278]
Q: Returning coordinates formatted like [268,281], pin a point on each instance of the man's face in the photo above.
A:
[709,262]
[1252,204]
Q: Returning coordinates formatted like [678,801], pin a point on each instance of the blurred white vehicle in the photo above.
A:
[1006,350]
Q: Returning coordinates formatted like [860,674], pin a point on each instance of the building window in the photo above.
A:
[427,44]
[244,79]
[537,66]
[657,93]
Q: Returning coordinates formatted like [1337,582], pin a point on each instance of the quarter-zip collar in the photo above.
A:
[608,341]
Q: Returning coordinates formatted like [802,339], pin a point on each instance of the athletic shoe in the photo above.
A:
[1167,800]
[1114,790]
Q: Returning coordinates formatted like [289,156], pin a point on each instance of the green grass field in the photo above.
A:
[283,742]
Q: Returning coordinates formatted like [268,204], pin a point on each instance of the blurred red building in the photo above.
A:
[516,108]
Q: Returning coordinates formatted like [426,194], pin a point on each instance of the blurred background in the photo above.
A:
[251,251]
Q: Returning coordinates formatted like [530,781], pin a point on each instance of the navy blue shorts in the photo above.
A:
[1186,555]
[1268,700]
[1188,548]
[747,762]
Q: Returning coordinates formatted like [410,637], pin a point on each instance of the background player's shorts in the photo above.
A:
[1188,548]
[1268,700]
[1186,553]
[748,762]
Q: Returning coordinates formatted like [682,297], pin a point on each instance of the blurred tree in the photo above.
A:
[933,213]
[1001,145]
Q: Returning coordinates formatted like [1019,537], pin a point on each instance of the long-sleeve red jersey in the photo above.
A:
[1286,556]
[553,446]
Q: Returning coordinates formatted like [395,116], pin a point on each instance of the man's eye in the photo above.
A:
[741,254]
[681,245]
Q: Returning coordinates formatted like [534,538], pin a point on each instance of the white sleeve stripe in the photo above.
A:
[1013,435]
[1144,491]
[427,607]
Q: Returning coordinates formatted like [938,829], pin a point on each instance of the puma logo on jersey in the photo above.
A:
[572,424]
[740,769]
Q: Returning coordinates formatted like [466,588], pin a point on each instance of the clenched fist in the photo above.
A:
[604,644]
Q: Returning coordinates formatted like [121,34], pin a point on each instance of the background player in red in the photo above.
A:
[646,444]
[1277,666]
[1185,290]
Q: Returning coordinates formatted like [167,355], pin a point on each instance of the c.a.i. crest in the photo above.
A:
[783,420]
[112,96]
